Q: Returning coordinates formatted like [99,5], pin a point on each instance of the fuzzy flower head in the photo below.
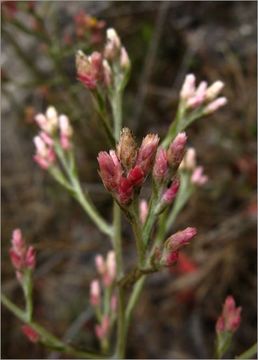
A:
[230,318]
[124,170]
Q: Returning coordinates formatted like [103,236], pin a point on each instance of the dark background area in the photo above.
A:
[177,312]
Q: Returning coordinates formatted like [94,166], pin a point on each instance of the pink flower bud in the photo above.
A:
[102,329]
[143,209]
[136,176]
[230,318]
[214,90]
[16,259]
[160,168]
[198,178]
[171,192]
[188,88]
[45,155]
[65,126]
[95,293]
[125,191]
[170,259]
[147,152]
[180,239]
[30,333]
[110,170]
[90,69]
[30,258]
[195,101]
[113,45]
[215,105]
[18,243]
[21,256]
[100,264]
[176,150]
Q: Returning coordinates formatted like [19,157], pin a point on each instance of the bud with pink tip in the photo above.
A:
[18,242]
[147,152]
[30,333]
[198,178]
[143,210]
[214,90]
[188,88]
[102,329]
[230,318]
[176,150]
[180,239]
[110,170]
[215,105]
[160,168]
[113,45]
[95,293]
[170,194]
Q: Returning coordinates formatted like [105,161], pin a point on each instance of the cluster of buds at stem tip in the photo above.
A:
[53,128]
[189,164]
[95,71]
[23,257]
[123,171]
[168,254]
[230,318]
[202,96]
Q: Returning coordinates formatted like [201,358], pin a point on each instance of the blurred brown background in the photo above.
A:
[215,40]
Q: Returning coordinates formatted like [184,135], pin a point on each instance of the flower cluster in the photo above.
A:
[230,318]
[203,97]
[54,129]
[99,70]
[123,171]
[167,255]
[106,308]
[23,257]
[189,164]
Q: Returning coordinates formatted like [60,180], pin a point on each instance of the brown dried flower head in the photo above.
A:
[127,149]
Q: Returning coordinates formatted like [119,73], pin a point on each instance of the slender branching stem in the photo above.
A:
[46,337]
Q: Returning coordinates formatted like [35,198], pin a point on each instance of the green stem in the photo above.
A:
[82,198]
[137,289]
[116,105]
[27,289]
[249,353]
[46,337]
